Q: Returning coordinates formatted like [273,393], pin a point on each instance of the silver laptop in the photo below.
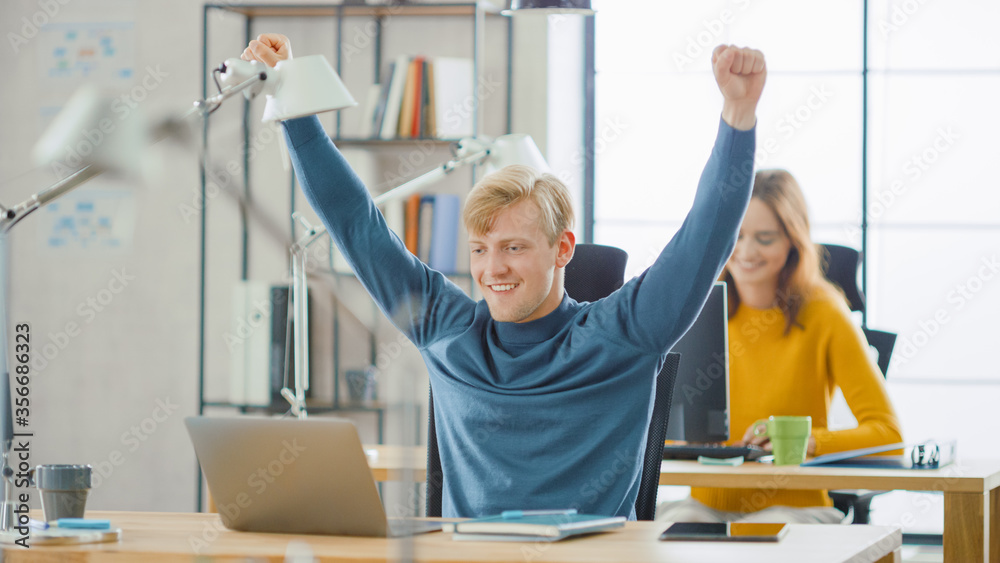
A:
[293,476]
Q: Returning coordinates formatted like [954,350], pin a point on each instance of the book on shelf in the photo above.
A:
[394,98]
[411,226]
[368,111]
[419,89]
[443,255]
[249,343]
[430,123]
[383,87]
[411,92]
[454,97]
[534,526]
[425,228]
[424,97]
[430,229]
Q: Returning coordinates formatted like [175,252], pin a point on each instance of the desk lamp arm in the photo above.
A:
[470,151]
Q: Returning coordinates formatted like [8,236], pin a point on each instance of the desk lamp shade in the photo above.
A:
[581,7]
[515,148]
[91,131]
[305,86]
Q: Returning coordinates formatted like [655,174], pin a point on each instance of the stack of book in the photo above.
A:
[421,97]
[430,230]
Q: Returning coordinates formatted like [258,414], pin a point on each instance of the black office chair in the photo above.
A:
[841,267]
[595,272]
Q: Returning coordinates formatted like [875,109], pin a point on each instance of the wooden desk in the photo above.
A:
[971,493]
[166,537]
[398,463]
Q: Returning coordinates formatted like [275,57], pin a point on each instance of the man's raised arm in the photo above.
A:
[667,297]
[418,300]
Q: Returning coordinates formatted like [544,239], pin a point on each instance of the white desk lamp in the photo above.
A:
[97,142]
[102,142]
[493,155]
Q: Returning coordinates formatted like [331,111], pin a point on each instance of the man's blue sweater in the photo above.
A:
[550,413]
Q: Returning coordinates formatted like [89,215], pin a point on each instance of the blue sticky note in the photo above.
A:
[85,523]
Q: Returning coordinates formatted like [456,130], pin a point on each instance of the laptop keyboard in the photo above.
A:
[688,451]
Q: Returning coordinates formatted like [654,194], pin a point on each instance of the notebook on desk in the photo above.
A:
[930,454]
[293,476]
[534,526]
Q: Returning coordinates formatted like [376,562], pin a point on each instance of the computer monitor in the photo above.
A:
[699,409]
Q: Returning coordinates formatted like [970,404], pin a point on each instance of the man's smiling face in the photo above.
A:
[515,266]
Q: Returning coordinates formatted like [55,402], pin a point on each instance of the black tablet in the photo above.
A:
[726,531]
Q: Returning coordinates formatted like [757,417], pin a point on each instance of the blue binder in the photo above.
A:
[444,234]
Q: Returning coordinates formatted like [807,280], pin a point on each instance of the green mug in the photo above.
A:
[789,437]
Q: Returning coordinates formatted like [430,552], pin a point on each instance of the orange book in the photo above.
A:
[410,92]
[411,223]
[418,98]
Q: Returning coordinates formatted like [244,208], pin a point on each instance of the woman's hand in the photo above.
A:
[765,443]
[268,48]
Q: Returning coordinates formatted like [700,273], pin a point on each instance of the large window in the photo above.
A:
[895,151]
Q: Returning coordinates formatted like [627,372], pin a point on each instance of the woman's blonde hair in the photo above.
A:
[802,276]
[511,185]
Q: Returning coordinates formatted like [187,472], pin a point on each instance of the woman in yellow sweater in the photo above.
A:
[791,343]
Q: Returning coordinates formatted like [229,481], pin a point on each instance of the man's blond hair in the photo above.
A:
[511,185]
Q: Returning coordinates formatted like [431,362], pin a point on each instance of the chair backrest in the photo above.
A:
[649,482]
[435,476]
[841,268]
[595,271]
[884,343]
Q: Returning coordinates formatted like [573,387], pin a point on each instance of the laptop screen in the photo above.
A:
[699,410]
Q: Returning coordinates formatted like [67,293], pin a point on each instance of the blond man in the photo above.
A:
[540,402]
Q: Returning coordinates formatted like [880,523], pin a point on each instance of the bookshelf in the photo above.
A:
[472,15]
